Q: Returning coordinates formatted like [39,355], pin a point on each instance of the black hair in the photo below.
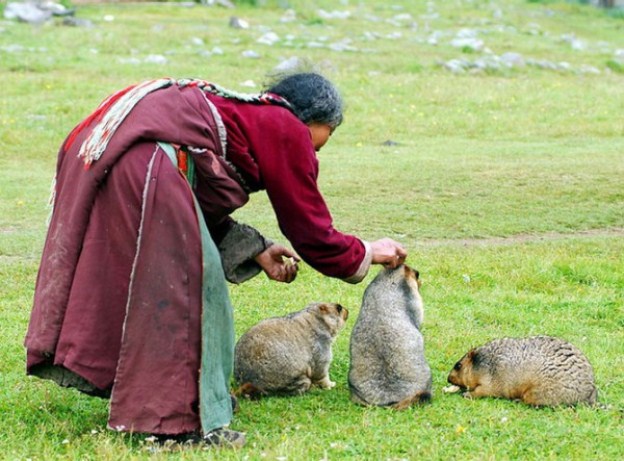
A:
[313,98]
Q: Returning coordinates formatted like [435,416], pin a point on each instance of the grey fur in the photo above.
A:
[539,370]
[287,355]
[388,365]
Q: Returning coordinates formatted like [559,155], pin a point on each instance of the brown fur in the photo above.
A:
[249,391]
[287,355]
[539,371]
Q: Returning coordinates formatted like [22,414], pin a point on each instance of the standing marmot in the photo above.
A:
[287,355]
[538,370]
[388,365]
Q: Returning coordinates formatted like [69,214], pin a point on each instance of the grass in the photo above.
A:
[505,186]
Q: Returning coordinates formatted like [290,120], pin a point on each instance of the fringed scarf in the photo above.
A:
[114,109]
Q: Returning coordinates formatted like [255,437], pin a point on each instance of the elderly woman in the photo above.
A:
[131,300]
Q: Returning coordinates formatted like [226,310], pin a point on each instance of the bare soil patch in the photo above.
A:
[525,238]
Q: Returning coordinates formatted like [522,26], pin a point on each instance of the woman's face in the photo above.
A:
[320,133]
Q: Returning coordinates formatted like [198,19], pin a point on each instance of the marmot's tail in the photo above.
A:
[421,397]
[250,391]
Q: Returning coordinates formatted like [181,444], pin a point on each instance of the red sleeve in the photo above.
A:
[289,169]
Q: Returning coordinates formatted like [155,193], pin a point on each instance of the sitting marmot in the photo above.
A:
[287,355]
[538,370]
[388,365]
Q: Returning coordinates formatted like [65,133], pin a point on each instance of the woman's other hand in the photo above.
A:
[388,252]
[279,263]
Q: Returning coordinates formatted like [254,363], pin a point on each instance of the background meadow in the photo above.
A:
[487,136]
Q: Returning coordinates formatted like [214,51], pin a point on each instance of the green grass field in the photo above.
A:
[504,183]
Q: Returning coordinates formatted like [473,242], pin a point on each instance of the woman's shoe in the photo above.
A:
[217,438]
[225,438]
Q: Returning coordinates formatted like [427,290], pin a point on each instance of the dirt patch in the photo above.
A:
[525,238]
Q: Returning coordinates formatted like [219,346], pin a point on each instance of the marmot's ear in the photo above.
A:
[474,357]
[323,308]
[418,281]
[410,272]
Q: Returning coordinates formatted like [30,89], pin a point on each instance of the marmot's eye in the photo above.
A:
[457,366]
[339,308]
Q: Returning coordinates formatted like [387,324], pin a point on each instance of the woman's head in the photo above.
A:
[313,98]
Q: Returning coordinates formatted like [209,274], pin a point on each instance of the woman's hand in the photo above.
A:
[388,252]
[279,263]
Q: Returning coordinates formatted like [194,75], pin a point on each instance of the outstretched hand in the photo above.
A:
[279,263]
[388,252]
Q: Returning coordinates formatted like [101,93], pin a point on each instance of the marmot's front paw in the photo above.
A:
[326,383]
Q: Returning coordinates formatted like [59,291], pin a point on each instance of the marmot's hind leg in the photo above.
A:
[533,395]
[299,385]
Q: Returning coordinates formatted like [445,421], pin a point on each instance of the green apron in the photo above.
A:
[215,404]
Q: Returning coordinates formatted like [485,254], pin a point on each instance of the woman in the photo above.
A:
[131,301]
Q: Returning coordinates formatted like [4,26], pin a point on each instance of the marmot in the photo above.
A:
[287,355]
[387,363]
[539,370]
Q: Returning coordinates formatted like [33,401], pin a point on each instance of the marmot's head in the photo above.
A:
[463,372]
[399,274]
[331,314]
